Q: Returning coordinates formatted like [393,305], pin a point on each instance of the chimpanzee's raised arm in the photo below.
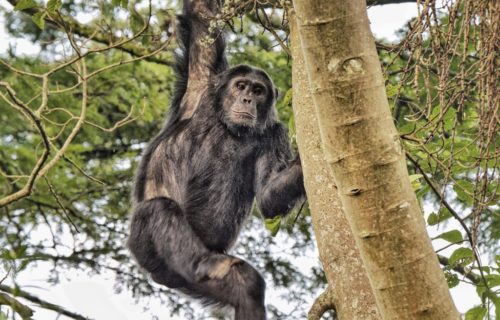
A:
[200,56]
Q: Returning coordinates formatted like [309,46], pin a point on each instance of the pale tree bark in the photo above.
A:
[349,291]
[363,150]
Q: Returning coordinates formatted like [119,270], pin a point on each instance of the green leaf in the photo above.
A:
[434,218]
[452,236]
[38,19]
[449,119]
[436,110]
[24,263]
[481,290]
[465,254]
[25,4]
[392,90]
[452,279]
[486,269]
[286,101]
[493,280]
[291,126]
[464,190]
[476,313]
[12,254]
[273,225]
[146,41]
[121,3]
[415,183]
[497,308]
[53,6]
[407,127]
[136,21]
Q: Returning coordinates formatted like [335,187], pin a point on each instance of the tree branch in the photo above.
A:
[24,311]
[41,168]
[35,120]
[322,304]
[458,268]
[438,194]
[42,303]
[91,33]
[77,260]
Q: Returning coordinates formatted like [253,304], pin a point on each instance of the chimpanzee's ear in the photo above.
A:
[277,94]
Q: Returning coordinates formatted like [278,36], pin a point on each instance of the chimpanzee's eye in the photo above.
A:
[258,91]
[240,85]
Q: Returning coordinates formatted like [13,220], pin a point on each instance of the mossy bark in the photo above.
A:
[362,148]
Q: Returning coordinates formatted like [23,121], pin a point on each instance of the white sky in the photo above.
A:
[94,296]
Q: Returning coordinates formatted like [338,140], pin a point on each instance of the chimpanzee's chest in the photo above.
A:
[220,187]
[221,169]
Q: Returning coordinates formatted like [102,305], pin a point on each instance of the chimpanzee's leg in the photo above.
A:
[242,287]
[142,246]
[165,245]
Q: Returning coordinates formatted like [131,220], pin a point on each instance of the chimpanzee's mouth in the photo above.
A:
[244,115]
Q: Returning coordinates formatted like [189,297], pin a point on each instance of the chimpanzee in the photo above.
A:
[222,146]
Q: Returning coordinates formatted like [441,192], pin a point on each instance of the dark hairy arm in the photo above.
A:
[279,179]
[201,56]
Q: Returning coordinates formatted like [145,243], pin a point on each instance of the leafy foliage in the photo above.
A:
[445,105]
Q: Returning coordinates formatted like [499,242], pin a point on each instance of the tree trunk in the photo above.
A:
[349,289]
[362,148]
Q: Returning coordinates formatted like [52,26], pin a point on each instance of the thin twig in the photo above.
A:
[63,208]
[35,119]
[435,190]
[42,303]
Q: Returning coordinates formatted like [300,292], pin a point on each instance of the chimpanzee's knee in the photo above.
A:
[252,283]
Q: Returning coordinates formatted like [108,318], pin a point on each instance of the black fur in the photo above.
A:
[186,28]
[199,176]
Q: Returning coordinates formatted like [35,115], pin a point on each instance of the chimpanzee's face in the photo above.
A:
[247,100]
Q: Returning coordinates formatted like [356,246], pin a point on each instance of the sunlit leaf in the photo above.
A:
[39,19]
[451,279]
[435,218]
[25,4]
[392,90]
[136,21]
[452,236]
[464,254]
[464,190]
[449,119]
[415,181]
[53,6]
[121,3]
[273,225]
[476,313]
[493,280]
